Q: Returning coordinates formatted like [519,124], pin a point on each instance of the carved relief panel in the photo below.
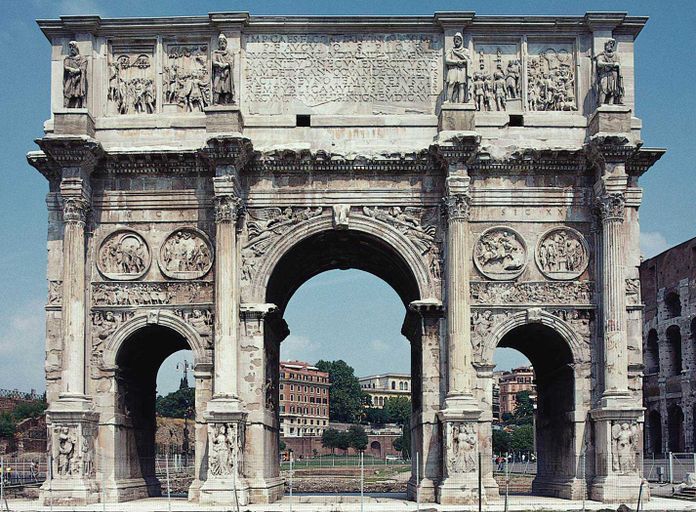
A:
[551,77]
[500,253]
[562,253]
[497,78]
[624,446]
[225,442]
[461,447]
[132,87]
[186,254]
[123,255]
[186,77]
[73,451]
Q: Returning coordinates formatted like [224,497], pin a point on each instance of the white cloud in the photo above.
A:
[379,346]
[652,243]
[298,347]
[22,347]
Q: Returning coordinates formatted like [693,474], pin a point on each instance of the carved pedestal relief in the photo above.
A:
[123,255]
[132,80]
[225,442]
[185,77]
[186,254]
[500,253]
[73,451]
[551,77]
[562,253]
[497,79]
[624,437]
[461,446]
[55,293]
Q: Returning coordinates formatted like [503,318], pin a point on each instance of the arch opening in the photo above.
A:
[674,344]
[675,428]
[551,397]
[652,353]
[329,251]
[654,440]
[138,362]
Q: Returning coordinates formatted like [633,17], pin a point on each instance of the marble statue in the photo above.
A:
[74,78]
[223,80]
[458,65]
[609,79]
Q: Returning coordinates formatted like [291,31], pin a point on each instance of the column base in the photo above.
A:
[618,489]
[460,490]
[70,492]
[268,490]
[224,491]
[427,490]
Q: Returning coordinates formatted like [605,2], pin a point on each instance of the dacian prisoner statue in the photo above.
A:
[484,167]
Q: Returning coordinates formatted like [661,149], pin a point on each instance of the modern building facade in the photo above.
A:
[304,399]
[201,168]
[384,386]
[668,290]
[512,382]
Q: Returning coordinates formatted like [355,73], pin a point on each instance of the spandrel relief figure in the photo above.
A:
[624,437]
[458,66]
[609,79]
[74,78]
[223,73]
[186,254]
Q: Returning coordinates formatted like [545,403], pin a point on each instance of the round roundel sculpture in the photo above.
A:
[562,253]
[186,254]
[123,255]
[500,253]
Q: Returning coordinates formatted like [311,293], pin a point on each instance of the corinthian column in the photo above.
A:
[459,381]
[227,207]
[611,209]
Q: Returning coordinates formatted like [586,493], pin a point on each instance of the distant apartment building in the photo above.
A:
[387,385]
[668,292]
[509,384]
[304,399]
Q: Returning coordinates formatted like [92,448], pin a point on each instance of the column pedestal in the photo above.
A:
[457,117]
[225,484]
[72,425]
[225,119]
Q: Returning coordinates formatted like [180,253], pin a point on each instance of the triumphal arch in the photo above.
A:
[202,168]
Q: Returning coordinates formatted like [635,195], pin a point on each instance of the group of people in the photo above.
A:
[186,252]
[561,252]
[123,255]
[134,94]
[550,89]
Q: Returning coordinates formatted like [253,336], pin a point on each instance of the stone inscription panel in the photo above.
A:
[320,73]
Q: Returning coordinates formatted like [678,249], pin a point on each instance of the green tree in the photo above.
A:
[178,404]
[403,442]
[329,439]
[522,439]
[343,440]
[283,446]
[501,441]
[398,410]
[346,397]
[376,415]
[358,437]
[524,408]
[8,425]
[32,409]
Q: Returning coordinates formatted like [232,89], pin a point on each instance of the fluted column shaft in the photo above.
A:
[75,211]
[226,296]
[458,307]
[612,212]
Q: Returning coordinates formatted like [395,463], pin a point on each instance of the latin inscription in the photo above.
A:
[316,69]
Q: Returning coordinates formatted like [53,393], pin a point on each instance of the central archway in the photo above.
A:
[392,258]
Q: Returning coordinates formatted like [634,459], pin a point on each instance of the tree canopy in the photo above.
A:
[179,404]
[524,408]
[346,397]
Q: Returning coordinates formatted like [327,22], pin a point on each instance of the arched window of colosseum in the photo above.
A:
[675,349]
[652,353]
[673,304]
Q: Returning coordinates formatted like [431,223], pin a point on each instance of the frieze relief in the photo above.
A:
[148,294]
[132,80]
[532,292]
[551,77]
[55,293]
[123,255]
[562,253]
[186,254]
[185,77]
[500,253]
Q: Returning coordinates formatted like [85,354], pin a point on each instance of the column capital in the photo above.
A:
[427,308]
[458,200]
[227,154]
[75,209]
[611,206]
[227,208]
[74,155]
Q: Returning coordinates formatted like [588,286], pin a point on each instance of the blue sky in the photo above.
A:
[665,79]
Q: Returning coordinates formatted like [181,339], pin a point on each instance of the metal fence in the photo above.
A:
[669,468]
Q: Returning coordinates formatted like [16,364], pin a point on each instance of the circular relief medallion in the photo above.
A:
[500,253]
[562,253]
[186,254]
[123,255]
